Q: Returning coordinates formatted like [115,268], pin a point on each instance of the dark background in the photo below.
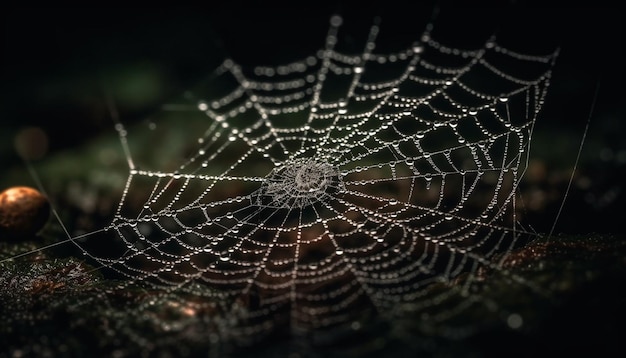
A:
[56,63]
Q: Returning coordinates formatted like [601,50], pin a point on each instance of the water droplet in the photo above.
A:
[336,20]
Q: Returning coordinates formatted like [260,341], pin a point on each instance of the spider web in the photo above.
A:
[336,188]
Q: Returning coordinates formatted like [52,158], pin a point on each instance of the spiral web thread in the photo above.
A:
[339,186]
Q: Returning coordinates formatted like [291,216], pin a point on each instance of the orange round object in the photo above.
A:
[23,212]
